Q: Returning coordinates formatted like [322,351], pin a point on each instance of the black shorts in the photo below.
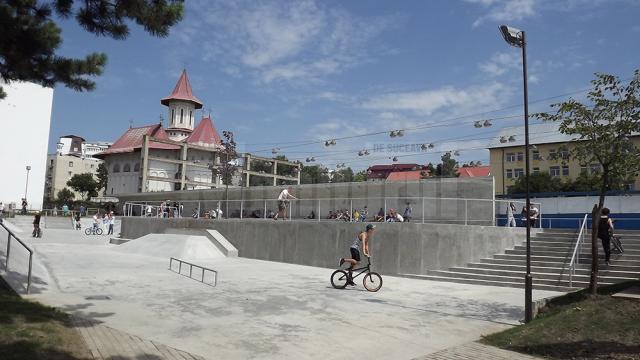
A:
[282,205]
[355,254]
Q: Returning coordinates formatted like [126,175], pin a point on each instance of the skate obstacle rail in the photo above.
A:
[191,266]
[6,264]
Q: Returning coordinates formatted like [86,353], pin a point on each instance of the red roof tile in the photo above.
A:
[182,91]
[204,134]
[407,175]
[131,140]
[475,171]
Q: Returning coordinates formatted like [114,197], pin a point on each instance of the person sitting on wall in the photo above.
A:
[380,216]
[364,213]
[256,214]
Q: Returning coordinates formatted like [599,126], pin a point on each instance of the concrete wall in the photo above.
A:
[446,206]
[397,248]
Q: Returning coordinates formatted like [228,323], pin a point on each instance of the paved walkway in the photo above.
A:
[476,351]
[106,343]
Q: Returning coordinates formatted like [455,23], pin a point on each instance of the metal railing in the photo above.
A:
[464,211]
[191,266]
[10,235]
[575,258]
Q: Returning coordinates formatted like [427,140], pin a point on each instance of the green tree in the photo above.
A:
[85,184]
[343,175]
[31,37]
[103,176]
[316,174]
[65,195]
[538,182]
[602,128]
[360,176]
[448,167]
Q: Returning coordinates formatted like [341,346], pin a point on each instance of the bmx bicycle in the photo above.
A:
[372,280]
[94,230]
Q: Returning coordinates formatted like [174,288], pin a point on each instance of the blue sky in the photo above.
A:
[281,74]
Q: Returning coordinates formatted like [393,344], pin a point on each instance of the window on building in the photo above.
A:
[565,170]
[554,171]
[595,168]
[51,162]
[520,156]
[536,170]
[510,157]
[190,117]
[116,168]
[536,155]
[553,155]
[173,115]
[584,169]
[564,154]
[181,116]
[126,168]
[518,173]
[509,174]
[92,166]
[136,167]
[70,163]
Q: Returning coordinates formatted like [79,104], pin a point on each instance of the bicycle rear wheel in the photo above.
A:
[339,279]
[98,231]
[372,281]
[87,231]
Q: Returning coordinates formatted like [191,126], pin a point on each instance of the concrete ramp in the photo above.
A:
[185,247]
[216,238]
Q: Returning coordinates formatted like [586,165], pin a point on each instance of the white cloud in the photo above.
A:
[501,62]
[427,102]
[506,10]
[281,41]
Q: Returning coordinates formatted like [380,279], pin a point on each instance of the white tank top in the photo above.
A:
[356,242]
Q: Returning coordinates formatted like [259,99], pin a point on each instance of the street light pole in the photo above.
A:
[26,186]
[517,38]
[528,281]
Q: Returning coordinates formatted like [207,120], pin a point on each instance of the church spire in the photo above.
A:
[183,92]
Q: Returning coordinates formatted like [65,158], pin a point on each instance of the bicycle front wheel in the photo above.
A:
[372,281]
[87,231]
[98,231]
[339,279]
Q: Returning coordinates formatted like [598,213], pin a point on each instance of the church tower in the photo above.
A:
[182,107]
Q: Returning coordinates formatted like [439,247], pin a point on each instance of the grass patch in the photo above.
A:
[579,326]
[32,331]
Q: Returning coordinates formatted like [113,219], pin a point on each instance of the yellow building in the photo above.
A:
[550,152]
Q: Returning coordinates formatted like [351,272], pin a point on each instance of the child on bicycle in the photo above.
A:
[363,237]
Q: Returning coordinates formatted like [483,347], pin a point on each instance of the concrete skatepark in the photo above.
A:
[259,309]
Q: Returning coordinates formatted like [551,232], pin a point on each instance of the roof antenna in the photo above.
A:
[130,123]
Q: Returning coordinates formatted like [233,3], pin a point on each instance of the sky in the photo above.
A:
[289,75]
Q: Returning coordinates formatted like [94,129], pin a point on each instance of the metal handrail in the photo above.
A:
[6,264]
[191,265]
[128,207]
[575,258]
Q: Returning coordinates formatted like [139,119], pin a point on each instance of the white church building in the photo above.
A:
[180,157]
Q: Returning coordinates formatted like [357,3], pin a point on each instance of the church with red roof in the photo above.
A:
[177,157]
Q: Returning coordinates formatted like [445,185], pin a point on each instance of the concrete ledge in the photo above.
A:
[222,243]
[118,241]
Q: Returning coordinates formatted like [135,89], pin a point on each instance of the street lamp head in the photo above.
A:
[512,35]
[28,167]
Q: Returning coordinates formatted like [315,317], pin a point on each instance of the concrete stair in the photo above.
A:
[551,252]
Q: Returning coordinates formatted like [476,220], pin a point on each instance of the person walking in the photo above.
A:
[36,225]
[605,229]
[407,213]
[78,226]
[511,219]
[65,209]
[283,201]
[111,221]
[24,206]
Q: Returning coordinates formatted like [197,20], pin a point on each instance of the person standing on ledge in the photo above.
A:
[283,201]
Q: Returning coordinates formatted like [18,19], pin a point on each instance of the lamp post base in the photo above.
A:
[528,305]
